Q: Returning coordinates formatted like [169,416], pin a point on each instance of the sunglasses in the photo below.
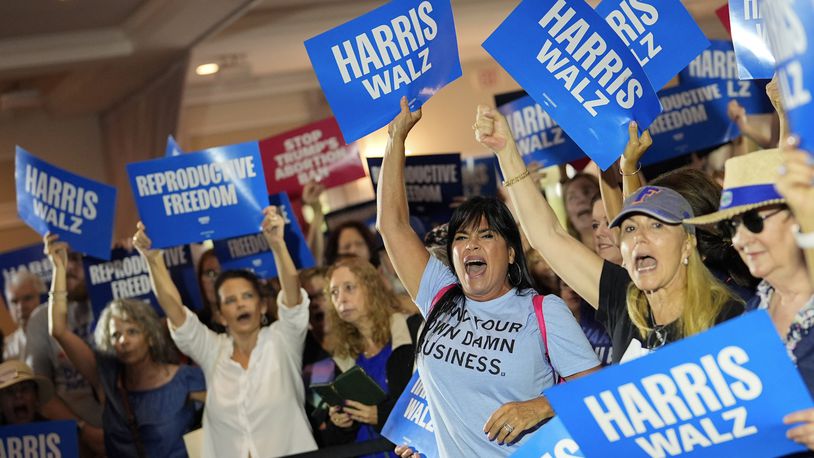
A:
[751,220]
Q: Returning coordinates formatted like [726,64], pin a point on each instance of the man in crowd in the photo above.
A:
[23,292]
[74,399]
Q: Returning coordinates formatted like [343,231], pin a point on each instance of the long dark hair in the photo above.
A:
[498,218]
[242,274]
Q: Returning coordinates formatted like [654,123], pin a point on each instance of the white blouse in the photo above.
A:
[257,411]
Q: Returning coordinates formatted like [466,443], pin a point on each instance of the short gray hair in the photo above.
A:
[23,276]
[145,317]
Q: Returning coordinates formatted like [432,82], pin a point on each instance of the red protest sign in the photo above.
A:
[723,16]
[315,152]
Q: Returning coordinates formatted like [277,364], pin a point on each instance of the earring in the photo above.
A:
[686,261]
[264,320]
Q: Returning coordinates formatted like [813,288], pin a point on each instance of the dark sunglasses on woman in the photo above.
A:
[751,220]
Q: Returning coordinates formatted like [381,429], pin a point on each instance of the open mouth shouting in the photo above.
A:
[244,317]
[475,266]
[644,263]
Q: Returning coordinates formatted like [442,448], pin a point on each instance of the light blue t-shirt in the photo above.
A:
[493,355]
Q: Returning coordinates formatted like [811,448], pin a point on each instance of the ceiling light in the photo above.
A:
[207,69]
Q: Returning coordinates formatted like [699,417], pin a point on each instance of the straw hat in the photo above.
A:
[748,184]
[13,372]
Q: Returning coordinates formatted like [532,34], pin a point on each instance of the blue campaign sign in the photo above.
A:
[479,175]
[552,440]
[172,147]
[648,28]
[695,112]
[212,194]
[755,60]
[539,138]
[720,393]
[40,439]
[125,276]
[573,64]
[791,32]
[409,422]
[432,182]
[79,210]
[251,252]
[403,48]
[30,259]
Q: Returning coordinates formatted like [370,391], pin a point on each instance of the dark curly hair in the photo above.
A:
[332,244]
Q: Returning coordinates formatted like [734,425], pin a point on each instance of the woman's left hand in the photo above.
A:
[511,419]
[802,434]
[362,413]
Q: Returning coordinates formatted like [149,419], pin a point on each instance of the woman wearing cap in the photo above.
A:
[761,226]
[22,393]
[662,294]
[481,354]
[148,400]
[255,396]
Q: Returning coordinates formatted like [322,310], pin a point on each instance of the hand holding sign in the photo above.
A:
[796,184]
[803,434]
[143,244]
[404,451]
[404,122]
[311,194]
[513,418]
[56,251]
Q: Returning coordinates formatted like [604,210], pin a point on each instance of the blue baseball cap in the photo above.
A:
[657,202]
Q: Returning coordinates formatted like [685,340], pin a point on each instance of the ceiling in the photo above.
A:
[82,56]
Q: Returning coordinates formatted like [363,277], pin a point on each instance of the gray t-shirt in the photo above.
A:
[493,355]
[47,358]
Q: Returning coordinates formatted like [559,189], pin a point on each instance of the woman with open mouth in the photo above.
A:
[147,398]
[255,396]
[22,393]
[662,294]
[484,354]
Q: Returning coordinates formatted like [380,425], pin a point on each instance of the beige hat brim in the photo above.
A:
[730,212]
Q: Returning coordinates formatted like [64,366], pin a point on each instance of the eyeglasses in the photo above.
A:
[752,220]
[349,288]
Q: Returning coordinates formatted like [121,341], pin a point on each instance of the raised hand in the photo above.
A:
[143,244]
[56,251]
[635,148]
[492,130]
[273,225]
[311,194]
[401,125]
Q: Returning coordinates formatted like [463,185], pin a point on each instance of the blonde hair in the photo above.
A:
[380,303]
[705,298]
[145,317]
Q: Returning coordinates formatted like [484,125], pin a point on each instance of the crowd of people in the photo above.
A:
[635,265]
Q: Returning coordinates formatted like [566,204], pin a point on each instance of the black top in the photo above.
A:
[612,313]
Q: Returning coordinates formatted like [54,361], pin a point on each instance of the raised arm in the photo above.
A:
[796,184]
[630,163]
[273,225]
[611,192]
[315,239]
[576,264]
[165,291]
[78,352]
[403,246]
